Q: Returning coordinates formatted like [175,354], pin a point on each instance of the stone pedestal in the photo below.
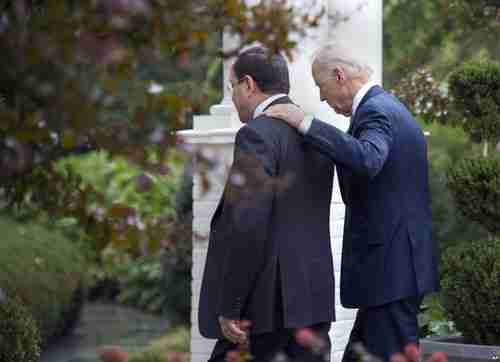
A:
[356,23]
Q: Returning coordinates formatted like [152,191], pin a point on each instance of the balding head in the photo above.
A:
[339,76]
[331,56]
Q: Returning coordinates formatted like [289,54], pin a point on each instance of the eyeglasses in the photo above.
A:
[230,86]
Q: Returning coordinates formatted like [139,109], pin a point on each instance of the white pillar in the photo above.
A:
[356,23]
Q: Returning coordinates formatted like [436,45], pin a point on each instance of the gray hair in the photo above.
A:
[330,56]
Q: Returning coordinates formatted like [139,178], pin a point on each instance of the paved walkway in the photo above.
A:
[106,324]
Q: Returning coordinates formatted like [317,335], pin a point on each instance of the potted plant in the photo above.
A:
[471,271]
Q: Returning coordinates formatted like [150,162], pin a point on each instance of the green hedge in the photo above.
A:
[475,91]
[19,335]
[471,290]
[475,184]
[44,270]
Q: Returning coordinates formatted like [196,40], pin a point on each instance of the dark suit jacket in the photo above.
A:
[388,253]
[269,257]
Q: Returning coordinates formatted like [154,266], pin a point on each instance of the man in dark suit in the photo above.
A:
[269,257]
[389,260]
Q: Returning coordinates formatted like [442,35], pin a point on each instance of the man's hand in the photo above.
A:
[290,113]
[233,331]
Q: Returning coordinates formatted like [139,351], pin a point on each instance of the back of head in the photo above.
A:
[269,71]
[332,55]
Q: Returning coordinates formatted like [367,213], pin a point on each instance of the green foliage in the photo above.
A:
[433,321]
[81,72]
[437,35]
[447,146]
[421,93]
[141,283]
[471,290]
[45,271]
[19,336]
[130,208]
[475,90]
[475,184]
[174,346]
[121,182]
[161,283]
[176,265]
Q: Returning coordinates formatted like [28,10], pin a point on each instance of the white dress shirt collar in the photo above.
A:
[266,102]
[360,95]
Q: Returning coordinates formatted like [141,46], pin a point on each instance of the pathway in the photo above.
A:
[106,324]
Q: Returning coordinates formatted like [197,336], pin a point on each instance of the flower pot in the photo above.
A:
[458,351]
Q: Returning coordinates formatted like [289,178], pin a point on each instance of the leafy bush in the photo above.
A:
[45,271]
[433,320]
[475,88]
[471,290]
[19,335]
[174,346]
[471,285]
[130,208]
[475,184]
[160,282]
[447,146]
[177,258]
[141,284]
[176,266]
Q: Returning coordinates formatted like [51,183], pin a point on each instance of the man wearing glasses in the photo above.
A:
[269,258]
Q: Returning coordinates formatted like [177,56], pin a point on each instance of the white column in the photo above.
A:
[356,23]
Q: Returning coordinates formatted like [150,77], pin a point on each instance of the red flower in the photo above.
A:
[438,357]
[175,357]
[412,352]
[112,354]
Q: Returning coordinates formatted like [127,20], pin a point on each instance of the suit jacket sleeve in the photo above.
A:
[247,209]
[364,154]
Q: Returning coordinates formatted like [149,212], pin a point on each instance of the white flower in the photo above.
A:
[155,88]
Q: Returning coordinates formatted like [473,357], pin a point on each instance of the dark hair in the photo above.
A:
[269,71]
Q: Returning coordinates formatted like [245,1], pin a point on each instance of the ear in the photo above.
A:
[250,84]
[338,73]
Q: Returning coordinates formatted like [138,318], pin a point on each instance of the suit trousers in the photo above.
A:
[267,347]
[385,330]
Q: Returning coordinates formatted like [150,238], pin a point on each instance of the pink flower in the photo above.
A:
[232,356]
[305,337]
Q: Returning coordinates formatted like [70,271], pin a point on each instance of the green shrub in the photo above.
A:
[44,270]
[471,290]
[176,266]
[161,282]
[19,335]
[475,184]
[447,146]
[174,343]
[129,206]
[475,90]
[141,285]
[177,258]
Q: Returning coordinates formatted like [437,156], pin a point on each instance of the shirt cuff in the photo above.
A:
[305,124]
